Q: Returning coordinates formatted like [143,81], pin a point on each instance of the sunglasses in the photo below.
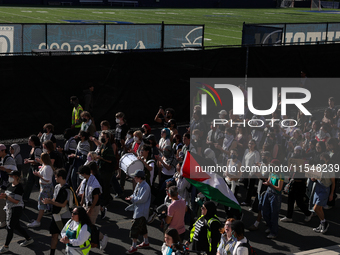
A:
[75,213]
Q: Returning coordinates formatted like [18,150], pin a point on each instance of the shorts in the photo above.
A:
[138,228]
[54,228]
[321,195]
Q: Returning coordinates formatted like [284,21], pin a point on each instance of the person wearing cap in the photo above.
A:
[272,200]
[140,199]
[14,207]
[7,165]
[297,191]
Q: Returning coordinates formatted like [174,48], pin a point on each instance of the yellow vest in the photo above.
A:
[208,230]
[86,247]
[76,116]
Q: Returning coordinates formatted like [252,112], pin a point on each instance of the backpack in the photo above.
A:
[73,201]
[251,250]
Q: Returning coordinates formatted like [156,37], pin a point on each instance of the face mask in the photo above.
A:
[45,151]
[83,120]
[233,156]
[128,136]
[265,160]
[10,179]
[221,116]
[103,140]
[89,159]
[135,138]
[81,177]
[45,130]
[193,137]
[117,120]
[322,162]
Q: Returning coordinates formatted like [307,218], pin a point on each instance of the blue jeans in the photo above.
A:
[270,210]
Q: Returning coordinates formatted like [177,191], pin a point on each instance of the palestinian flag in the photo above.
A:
[200,173]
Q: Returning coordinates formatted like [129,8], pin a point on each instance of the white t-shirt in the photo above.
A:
[47,174]
[241,250]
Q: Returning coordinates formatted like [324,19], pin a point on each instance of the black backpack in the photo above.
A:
[251,250]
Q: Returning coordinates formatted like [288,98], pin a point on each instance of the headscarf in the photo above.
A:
[147,127]
[16,148]
[211,210]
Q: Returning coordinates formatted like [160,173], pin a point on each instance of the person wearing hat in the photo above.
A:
[14,207]
[272,200]
[205,234]
[140,199]
[7,165]
[297,191]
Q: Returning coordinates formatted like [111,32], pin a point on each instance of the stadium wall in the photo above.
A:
[36,90]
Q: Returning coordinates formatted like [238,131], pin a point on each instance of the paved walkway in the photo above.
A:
[331,250]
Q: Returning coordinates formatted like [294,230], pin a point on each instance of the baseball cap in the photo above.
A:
[2,147]
[138,173]
[15,172]
[224,112]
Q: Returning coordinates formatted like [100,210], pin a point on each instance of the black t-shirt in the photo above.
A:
[121,131]
[57,159]
[53,139]
[14,192]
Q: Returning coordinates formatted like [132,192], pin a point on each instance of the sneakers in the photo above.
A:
[103,242]
[4,249]
[318,229]
[143,245]
[267,231]
[26,242]
[3,224]
[327,207]
[103,213]
[253,228]
[285,219]
[308,218]
[131,250]
[271,236]
[324,227]
[33,224]
[152,217]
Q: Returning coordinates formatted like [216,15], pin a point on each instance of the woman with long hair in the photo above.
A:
[45,175]
[171,240]
[33,160]
[77,232]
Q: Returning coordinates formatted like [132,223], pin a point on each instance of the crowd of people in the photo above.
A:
[77,179]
